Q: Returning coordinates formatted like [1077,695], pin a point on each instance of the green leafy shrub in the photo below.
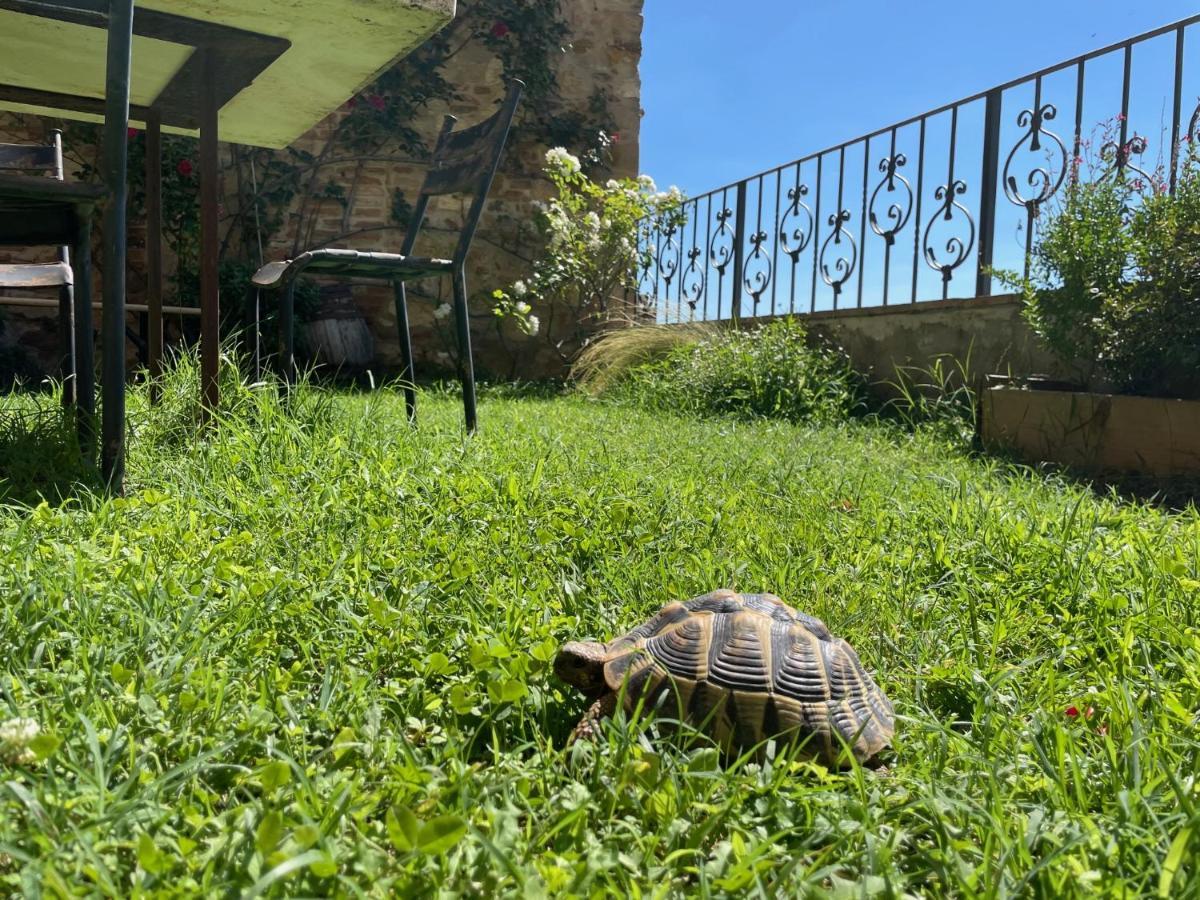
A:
[1115,286]
[771,371]
[590,253]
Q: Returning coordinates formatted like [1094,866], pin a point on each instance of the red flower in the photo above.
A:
[351,103]
[377,101]
[184,168]
[500,29]
[131,133]
[1072,712]
[615,137]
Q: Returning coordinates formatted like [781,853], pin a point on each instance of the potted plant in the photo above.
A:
[1114,292]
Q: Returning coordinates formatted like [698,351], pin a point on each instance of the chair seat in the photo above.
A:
[34,275]
[31,191]
[353,263]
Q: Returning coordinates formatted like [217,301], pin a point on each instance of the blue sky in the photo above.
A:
[732,88]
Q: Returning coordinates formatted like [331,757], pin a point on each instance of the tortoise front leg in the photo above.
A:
[589,725]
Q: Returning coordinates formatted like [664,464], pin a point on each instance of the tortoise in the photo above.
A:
[744,668]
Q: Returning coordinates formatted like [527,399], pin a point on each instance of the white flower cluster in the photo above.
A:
[15,737]
[442,311]
[559,158]
[646,183]
[532,325]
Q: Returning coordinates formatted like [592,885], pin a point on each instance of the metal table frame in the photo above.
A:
[226,61]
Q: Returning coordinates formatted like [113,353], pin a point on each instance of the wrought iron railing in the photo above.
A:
[898,216]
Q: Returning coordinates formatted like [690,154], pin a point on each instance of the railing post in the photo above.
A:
[739,250]
[987,192]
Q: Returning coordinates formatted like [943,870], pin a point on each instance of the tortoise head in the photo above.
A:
[581,665]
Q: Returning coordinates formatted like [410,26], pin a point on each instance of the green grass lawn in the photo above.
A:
[311,656]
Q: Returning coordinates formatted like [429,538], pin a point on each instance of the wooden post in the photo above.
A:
[209,242]
[154,254]
[116,127]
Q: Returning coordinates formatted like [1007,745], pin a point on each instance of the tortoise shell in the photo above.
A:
[747,667]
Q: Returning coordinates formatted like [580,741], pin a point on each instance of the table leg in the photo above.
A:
[85,340]
[154,254]
[209,242]
[116,127]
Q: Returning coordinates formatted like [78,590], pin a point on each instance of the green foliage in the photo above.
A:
[589,255]
[1115,285]
[309,654]
[770,371]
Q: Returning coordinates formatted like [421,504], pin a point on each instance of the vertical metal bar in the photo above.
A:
[406,358]
[948,273]
[1078,114]
[209,243]
[816,243]
[85,340]
[887,247]
[66,299]
[796,258]
[775,240]
[154,251]
[757,295]
[1177,107]
[287,330]
[838,211]
[116,128]
[862,233]
[917,222]
[739,249]
[1125,108]
[720,272]
[987,192]
[707,240]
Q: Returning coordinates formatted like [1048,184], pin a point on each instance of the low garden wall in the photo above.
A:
[987,335]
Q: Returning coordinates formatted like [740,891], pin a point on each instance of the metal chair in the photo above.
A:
[464,162]
[37,210]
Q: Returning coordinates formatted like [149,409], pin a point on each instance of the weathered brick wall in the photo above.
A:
[604,54]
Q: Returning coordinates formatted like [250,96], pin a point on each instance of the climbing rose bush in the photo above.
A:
[590,251]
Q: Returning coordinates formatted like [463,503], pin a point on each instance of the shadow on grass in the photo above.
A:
[39,453]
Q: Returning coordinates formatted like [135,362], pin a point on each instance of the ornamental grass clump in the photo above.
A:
[772,371]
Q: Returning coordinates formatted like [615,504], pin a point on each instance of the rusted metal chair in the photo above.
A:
[39,209]
[464,162]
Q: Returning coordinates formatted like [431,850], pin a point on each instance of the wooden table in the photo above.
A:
[258,72]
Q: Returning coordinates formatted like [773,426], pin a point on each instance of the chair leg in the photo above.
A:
[467,367]
[287,331]
[66,340]
[85,363]
[410,394]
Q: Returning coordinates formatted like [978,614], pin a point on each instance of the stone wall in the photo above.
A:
[988,335]
[604,53]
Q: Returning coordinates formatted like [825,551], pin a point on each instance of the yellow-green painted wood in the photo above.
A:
[338,47]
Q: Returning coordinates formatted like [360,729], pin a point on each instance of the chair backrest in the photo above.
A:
[465,162]
[32,158]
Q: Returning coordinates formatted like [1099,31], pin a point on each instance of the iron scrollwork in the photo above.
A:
[668,256]
[720,248]
[1119,156]
[1040,178]
[897,214]
[844,263]
[693,279]
[797,224]
[757,270]
[957,249]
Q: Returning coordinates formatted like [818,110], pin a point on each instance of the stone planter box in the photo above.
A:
[1095,432]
